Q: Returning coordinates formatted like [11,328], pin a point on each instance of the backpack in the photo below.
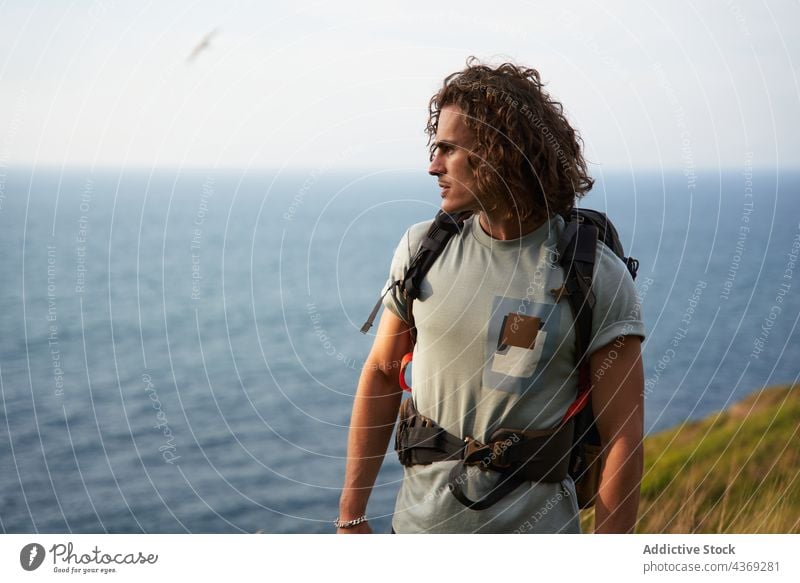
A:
[576,252]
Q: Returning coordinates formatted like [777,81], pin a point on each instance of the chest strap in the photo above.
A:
[516,456]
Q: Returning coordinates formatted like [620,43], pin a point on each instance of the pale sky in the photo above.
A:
[346,84]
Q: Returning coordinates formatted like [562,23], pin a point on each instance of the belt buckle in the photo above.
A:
[475,452]
[488,456]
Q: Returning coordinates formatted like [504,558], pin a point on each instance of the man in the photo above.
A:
[502,149]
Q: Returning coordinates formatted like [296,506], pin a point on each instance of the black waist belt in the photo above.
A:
[518,456]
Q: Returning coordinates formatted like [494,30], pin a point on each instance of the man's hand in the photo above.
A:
[618,405]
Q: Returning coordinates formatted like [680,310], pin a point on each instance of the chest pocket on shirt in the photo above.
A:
[523,338]
[519,345]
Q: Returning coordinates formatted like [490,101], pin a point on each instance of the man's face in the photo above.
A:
[454,142]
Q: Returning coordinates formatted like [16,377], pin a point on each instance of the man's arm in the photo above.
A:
[374,413]
[618,404]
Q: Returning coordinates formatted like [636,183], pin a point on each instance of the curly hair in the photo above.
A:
[528,160]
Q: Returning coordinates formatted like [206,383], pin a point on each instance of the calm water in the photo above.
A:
[179,351]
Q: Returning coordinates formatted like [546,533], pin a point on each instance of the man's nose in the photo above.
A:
[436,168]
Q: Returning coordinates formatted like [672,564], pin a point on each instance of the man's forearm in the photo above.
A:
[374,414]
[617,503]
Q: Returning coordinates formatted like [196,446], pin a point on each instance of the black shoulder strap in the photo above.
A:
[444,226]
[577,249]
[607,233]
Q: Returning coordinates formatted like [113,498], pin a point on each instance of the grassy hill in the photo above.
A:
[736,471]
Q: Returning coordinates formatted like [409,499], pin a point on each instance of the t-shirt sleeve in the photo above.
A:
[617,310]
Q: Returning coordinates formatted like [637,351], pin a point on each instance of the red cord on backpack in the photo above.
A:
[584,393]
[577,405]
[403,364]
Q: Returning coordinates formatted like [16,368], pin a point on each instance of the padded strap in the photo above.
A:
[441,230]
[577,254]
[444,226]
[506,483]
[426,445]
[516,456]
[538,456]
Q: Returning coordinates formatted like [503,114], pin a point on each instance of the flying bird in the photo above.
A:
[202,45]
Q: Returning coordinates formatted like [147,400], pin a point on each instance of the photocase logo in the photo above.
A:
[31,556]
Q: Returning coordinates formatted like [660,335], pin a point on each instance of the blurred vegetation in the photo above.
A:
[736,471]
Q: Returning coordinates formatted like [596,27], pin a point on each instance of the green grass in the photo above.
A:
[736,471]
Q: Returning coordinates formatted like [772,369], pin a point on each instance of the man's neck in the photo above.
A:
[505,229]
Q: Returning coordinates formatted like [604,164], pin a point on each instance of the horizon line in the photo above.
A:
[364,169]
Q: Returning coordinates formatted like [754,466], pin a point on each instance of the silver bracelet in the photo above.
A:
[349,523]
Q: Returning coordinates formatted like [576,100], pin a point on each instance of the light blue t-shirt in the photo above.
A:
[473,372]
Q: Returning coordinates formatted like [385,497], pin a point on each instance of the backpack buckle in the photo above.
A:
[487,456]
[476,452]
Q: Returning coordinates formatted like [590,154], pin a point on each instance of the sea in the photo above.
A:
[180,348]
